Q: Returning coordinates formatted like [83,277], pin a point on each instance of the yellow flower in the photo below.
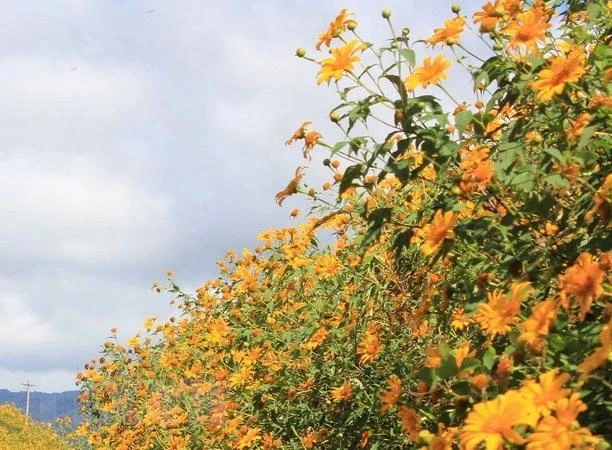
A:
[291,188]
[370,345]
[547,391]
[342,60]
[600,355]
[583,280]
[335,28]
[494,420]
[249,438]
[389,397]
[437,231]
[602,200]
[561,431]
[450,32]
[462,352]
[411,423]
[527,29]
[488,18]
[459,320]
[538,324]
[578,126]
[343,392]
[316,339]
[500,312]
[563,69]
[432,72]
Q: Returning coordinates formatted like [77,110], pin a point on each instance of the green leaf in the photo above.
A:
[556,154]
[586,135]
[463,119]
[409,55]
[524,181]
[376,220]
[488,359]
[350,175]
[556,180]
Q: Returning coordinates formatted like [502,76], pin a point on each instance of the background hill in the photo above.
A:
[16,435]
[45,407]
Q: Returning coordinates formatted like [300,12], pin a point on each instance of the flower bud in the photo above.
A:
[456,8]
[335,163]
[300,52]
[351,24]
[498,46]
[405,31]
[386,13]
[334,116]
[327,162]
[452,41]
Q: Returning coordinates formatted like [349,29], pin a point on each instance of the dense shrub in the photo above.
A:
[465,298]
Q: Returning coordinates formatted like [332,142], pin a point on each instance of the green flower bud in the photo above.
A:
[405,31]
[334,116]
[386,13]
[498,46]
[327,162]
[300,52]
[456,8]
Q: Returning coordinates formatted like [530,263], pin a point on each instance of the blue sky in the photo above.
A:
[137,136]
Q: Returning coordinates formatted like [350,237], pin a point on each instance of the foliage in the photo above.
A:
[465,298]
[18,434]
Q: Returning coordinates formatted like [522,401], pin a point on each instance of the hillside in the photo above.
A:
[45,407]
[15,434]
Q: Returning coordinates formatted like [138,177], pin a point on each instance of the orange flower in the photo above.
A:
[602,200]
[299,133]
[459,319]
[326,266]
[342,60]
[291,188]
[578,126]
[494,420]
[488,18]
[583,280]
[433,359]
[561,431]
[500,312]
[249,438]
[343,392]
[370,345]
[547,391]
[480,381]
[462,352]
[335,28]
[538,324]
[563,69]
[600,355]
[437,231]
[432,72]
[527,29]
[477,168]
[450,32]
[316,339]
[411,423]
[389,397]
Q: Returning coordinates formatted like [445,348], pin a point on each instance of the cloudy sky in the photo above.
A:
[137,136]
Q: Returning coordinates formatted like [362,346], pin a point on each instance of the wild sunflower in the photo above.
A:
[342,60]
[563,69]
[431,72]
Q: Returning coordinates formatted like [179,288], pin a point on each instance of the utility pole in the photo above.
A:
[28,387]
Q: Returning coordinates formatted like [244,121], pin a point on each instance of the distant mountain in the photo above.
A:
[45,407]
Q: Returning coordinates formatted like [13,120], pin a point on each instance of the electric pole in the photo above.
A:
[28,387]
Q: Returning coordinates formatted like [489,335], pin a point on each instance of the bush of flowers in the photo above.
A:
[463,299]
[18,433]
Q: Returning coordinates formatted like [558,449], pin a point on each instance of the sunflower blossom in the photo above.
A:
[546,391]
[450,32]
[493,421]
[335,28]
[431,72]
[342,60]
[439,229]
[538,324]
[583,280]
[527,29]
[563,69]
[500,312]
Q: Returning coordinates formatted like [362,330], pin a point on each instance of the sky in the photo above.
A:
[142,136]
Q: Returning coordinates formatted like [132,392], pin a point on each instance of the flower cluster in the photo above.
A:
[451,286]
